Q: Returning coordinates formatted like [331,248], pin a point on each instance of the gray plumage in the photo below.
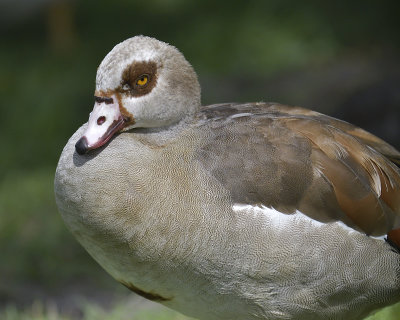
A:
[232,211]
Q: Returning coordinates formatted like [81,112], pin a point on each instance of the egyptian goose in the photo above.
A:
[229,211]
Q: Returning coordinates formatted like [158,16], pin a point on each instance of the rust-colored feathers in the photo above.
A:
[337,171]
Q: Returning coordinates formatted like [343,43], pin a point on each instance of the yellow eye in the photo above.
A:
[142,80]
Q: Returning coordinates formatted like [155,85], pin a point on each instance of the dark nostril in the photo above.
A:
[101,120]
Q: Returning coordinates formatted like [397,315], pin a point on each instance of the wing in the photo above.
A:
[292,159]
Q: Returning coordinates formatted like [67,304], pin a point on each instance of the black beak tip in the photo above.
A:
[82,146]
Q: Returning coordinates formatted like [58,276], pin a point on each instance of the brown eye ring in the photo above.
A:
[139,78]
[142,81]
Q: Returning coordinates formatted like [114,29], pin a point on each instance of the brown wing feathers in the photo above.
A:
[366,184]
[293,158]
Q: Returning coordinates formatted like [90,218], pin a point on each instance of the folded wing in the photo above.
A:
[296,159]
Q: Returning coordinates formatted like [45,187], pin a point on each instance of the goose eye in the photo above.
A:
[142,80]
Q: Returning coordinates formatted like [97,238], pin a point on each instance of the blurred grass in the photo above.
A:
[388,313]
[91,311]
[32,234]
[126,311]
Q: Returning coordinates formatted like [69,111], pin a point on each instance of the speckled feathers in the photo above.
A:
[232,211]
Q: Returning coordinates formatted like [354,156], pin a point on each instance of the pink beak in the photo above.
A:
[104,121]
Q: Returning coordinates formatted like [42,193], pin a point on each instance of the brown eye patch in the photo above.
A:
[139,78]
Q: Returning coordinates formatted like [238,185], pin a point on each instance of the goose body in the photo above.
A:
[230,211]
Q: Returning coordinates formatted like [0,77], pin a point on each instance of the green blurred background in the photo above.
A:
[340,58]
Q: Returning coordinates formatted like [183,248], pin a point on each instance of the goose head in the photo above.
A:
[141,83]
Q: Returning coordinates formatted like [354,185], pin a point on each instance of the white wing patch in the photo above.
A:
[239,115]
[284,221]
[275,217]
